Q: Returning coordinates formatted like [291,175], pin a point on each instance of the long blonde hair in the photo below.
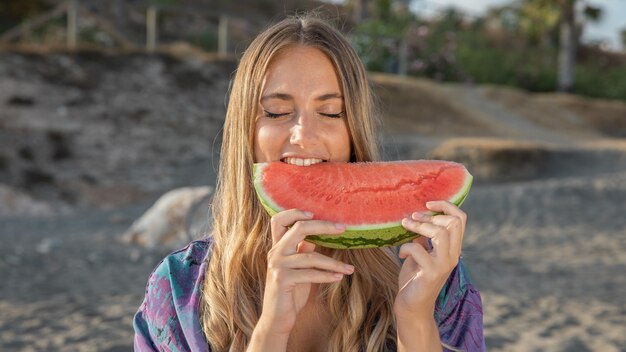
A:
[360,306]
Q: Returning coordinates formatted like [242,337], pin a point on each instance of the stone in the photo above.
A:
[167,224]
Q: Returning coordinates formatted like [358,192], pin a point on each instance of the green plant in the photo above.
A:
[600,82]
[206,40]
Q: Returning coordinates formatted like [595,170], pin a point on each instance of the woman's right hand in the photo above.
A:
[292,266]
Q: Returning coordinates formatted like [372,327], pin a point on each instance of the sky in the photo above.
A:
[613,21]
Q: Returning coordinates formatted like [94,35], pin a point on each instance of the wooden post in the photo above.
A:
[72,21]
[403,53]
[222,40]
[151,29]
[567,48]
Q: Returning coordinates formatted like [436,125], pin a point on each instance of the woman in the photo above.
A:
[301,96]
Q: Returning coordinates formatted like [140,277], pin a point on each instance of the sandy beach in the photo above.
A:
[546,234]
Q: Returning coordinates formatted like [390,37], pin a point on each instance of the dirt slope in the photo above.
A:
[455,110]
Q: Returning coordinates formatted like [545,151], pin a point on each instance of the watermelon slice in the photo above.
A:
[370,198]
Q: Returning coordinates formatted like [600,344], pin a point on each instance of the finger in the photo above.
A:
[423,241]
[455,228]
[306,276]
[317,261]
[448,208]
[281,222]
[417,253]
[440,237]
[446,221]
[305,247]
[288,244]
[453,223]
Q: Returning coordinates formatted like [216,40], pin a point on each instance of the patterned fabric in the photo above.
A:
[167,320]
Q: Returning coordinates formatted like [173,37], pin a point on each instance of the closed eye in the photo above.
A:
[272,115]
[334,116]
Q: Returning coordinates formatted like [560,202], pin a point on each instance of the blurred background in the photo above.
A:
[110,120]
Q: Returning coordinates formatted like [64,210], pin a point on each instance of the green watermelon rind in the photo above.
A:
[362,236]
[271,207]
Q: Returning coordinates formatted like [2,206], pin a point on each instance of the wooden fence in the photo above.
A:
[73,11]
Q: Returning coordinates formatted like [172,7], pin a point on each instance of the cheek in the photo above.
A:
[341,143]
[266,143]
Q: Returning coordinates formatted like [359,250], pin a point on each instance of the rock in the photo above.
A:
[168,223]
[16,203]
[20,100]
[135,255]
[148,123]
[47,245]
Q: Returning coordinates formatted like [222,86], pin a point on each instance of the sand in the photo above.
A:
[546,250]
[550,271]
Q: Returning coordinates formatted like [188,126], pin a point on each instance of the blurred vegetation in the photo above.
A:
[515,45]
[12,12]
[206,40]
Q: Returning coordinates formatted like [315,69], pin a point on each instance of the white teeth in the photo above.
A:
[302,162]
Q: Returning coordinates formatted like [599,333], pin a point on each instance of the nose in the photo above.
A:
[304,131]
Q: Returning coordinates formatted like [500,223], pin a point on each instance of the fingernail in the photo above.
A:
[349,268]
[417,216]
[338,275]
[406,221]
[340,226]
[308,214]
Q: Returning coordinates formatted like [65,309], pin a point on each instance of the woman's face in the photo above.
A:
[301,112]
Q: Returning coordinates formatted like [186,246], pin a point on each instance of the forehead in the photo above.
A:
[301,69]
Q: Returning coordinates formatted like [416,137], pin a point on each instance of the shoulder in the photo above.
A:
[180,273]
[168,315]
[458,284]
[459,313]
[184,263]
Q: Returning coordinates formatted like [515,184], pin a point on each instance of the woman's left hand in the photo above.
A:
[424,273]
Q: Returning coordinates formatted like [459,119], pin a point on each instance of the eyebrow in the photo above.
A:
[283,96]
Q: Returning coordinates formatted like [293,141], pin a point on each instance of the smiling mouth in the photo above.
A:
[302,161]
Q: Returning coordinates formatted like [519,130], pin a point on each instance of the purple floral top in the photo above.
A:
[168,320]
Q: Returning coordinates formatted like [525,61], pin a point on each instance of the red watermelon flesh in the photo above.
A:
[363,196]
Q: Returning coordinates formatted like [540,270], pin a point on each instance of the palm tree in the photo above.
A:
[569,38]
[567,46]
[537,19]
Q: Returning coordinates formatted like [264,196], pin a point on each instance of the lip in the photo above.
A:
[302,156]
